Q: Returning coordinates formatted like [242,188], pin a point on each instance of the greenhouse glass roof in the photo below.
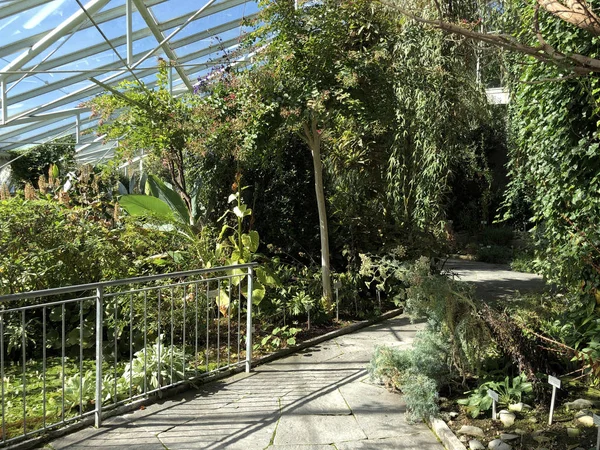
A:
[56,54]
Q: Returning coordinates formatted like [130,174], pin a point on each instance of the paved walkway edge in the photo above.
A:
[445,434]
[169,392]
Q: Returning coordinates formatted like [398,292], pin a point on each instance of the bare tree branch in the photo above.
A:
[577,63]
[574,12]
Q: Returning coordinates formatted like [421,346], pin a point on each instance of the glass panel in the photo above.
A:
[35,20]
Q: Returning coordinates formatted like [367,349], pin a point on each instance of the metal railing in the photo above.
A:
[73,352]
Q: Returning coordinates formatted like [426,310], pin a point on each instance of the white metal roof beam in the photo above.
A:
[119,11]
[20,6]
[54,133]
[93,89]
[50,38]
[16,134]
[152,24]
[117,66]
[46,116]
[140,34]
[102,17]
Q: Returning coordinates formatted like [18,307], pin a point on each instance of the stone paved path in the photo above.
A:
[494,282]
[320,398]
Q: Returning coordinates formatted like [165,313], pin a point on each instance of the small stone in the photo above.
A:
[585,419]
[579,404]
[497,444]
[532,420]
[474,444]
[508,437]
[519,431]
[573,432]
[453,414]
[507,418]
[518,407]
[471,431]
[464,439]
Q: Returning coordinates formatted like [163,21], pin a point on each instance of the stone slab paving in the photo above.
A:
[319,398]
[494,282]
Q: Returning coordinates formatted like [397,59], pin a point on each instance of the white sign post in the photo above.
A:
[494,396]
[555,383]
[597,423]
[338,285]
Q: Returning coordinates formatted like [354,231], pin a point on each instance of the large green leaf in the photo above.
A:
[160,190]
[146,206]
[251,240]
[258,293]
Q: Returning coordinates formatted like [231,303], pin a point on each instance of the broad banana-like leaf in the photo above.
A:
[237,275]
[258,293]
[146,206]
[266,277]
[251,240]
[160,190]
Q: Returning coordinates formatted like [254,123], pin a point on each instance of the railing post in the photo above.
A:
[249,322]
[99,331]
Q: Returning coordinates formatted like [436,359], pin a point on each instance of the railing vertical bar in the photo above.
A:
[145,341]
[24,344]
[239,324]
[172,331]
[229,325]
[196,330]
[99,333]
[44,309]
[249,322]
[63,356]
[131,345]
[116,346]
[158,367]
[81,357]
[207,322]
[218,325]
[2,376]
[184,325]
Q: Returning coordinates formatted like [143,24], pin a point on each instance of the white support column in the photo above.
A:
[129,26]
[3,99]
[77,128]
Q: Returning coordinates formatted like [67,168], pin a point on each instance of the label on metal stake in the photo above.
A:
[553,381]
[493,394]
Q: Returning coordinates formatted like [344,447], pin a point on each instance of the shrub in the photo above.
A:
[451,311]
[417,372]
[501,236]
[43,245]
[494,254]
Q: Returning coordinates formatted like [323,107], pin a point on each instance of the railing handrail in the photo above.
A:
[110,283]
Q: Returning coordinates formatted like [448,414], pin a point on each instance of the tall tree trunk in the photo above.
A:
[313,139]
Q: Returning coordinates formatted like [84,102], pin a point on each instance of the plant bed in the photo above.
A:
[530,429]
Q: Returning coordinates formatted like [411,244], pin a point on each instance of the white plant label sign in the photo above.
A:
[494,397]
[555,383]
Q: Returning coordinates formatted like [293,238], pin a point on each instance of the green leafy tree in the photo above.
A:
[314,76]
[155,121]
